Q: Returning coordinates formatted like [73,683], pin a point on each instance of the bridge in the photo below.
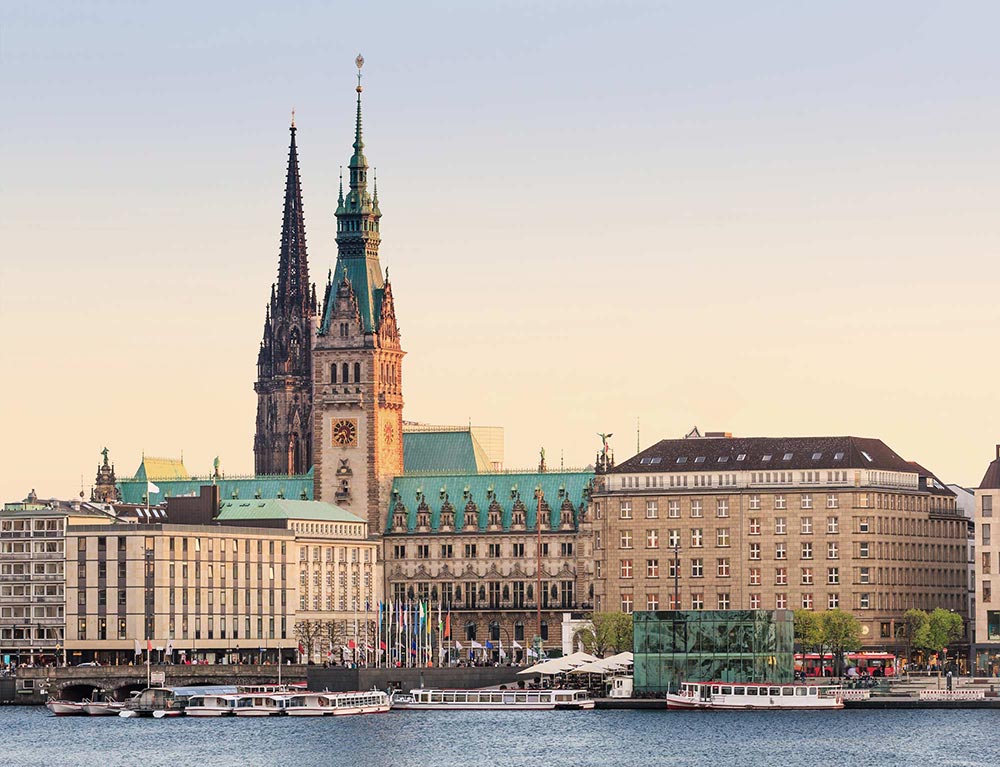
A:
[36,685]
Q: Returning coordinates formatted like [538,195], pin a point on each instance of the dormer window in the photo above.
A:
[767,458]
[787,457]
[682,459]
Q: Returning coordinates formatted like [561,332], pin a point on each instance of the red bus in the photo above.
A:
[871,663]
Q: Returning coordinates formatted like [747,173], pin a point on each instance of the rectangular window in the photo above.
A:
[864,575]
[697,538]
[832,550]
[780,526]
[833,525]
[806,502]
[807,550]
[652,539]
[987,562]
[626,603]
[833,576]
[517,549]
[984,527]
[754,576]
[781,576]
[755,551]
[755,601]
[754,502]
[864,525]
[625,541]
[807,576]
[652,568]
[753,527]
[724,600]
[696,510]
[780,551]
[626,568]
[987,592]
[722,507]
[781,601]
[807,601]
[697,568]
[779,501]
[652,602]
[987,505]
[863,550]
[674,509]
[722,567]
[698,601]
[806,525]
[722,537]
[652,511]
[625,510]
[832,501]
[864,601]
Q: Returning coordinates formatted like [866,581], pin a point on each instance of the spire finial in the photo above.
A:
[293,118]
[374,186]
[358,143]
[359,62]
[340,194]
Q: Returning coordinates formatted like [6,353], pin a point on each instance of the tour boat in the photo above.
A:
[103,708]
[337,703]
[720,696]
[211,705]
[65,707]
[493,700]
[258,705]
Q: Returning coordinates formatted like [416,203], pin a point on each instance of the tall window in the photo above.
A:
[652,511]
[626,568]
[652,539]
[626,603]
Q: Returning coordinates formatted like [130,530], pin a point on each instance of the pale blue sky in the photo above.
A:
[770,218]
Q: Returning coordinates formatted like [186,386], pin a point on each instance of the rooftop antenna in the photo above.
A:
[637,448]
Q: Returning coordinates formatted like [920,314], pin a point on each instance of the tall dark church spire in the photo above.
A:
[283,442]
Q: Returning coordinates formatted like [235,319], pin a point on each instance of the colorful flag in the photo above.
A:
[447,625]
[151,488]
[517,646]
[138,647]
[458,645]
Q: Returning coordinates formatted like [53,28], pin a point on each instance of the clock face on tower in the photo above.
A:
[389,433]
[345,432]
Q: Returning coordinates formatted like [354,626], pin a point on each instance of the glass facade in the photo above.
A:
[672,646]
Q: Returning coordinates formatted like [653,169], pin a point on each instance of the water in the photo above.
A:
[31,736]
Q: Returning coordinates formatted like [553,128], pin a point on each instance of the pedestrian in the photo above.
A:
[948,678]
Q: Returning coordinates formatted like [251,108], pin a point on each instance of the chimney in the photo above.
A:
[998,451]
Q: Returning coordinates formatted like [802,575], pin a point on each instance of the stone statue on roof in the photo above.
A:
[604,442]
[104,452]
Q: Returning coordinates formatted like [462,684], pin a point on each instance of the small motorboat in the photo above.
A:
[65,707]
[103,708]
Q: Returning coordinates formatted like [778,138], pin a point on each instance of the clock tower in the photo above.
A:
[357,360]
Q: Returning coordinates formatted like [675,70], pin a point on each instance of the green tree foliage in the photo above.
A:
[841,633]
[611,632]
[913,623]
[833,631]
[931,632]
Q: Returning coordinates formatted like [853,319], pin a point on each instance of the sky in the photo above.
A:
[771,219]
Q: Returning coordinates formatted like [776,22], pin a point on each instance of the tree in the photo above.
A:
[809,634]
[841,632]
[941,629]
[913,622]
[608,632]
[309,634]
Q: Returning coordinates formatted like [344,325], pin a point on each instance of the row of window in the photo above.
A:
[516,550]
[724,601]
[101,626]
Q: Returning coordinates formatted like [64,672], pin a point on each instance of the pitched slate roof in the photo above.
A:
[764,453]
[277,508]
[991,479]
[443,452]
[506,489]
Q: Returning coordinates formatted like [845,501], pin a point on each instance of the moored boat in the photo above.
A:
[103,708]
[259,704]
[494,700]
[65,707]
[211,705]
[722,696]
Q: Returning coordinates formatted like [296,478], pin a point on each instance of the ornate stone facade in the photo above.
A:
[283,442]
[357,384]
[105,489]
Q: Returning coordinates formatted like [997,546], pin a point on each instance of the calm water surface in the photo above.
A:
[31,736]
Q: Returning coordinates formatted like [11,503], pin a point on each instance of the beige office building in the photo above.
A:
[779,523]
[987,618]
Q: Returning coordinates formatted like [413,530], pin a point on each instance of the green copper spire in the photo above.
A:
[358,238]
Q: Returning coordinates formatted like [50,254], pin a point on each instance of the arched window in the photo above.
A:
[333,373]
[518,631]
[470,631]
[344,369]
[357,372]
[545,630]
[494,631]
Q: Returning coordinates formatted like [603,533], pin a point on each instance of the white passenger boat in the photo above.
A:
[337,703]
[65,707]
[756,696]
[259,704]
[493,700]
[211,705]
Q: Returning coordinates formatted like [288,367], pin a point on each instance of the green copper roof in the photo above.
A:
[443,452]
[365,275]
[482,490]
[276,508]
[293,487]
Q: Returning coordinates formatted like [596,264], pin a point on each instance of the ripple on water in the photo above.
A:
[30,737]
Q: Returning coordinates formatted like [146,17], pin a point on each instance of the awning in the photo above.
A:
[559,665]
[618,662]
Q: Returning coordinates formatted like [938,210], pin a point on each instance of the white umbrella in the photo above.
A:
[559,665]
